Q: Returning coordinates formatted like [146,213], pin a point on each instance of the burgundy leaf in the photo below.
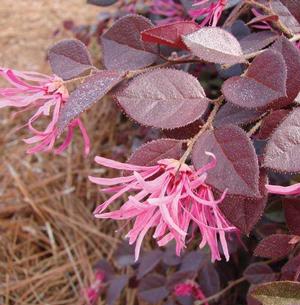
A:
[69,58]
[263,18]
[102,2]
[170,34]
[292,214]
[259,273]
[122,47]
[115,288]
[291,270]
[170,258]
[230,114]
[274,246]
[237,164]
[164,98]
[151,152]
[152,289]
[291,57]
[264,82]
[215,45]
[104,266]
[244,212]
[193,260]
[270,123]
[148,262]
[209,280]
[180,277]
[282,151]
[86,94]
[293,7]
[257,41]
[186,132]
[124,255]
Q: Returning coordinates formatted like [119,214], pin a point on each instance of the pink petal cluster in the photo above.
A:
[284,190]
[189,288]
[45,96]
[92,293]
[170,198]
[211,13]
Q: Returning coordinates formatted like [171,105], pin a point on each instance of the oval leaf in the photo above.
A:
[282,151]
[69,58]
[86,94]
[122,47]
[259,273]
[148,262]
[215,45]
[164,98]
[264,82]
[237,164]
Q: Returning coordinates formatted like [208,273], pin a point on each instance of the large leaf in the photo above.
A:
[216,45]
[164,98]
[292,214]
[237,164]
[185,132]
[69,58]
[291,57]
[263,83]
[282,151]
[259,273]
[86,94]
[274,246]
[278,293]
[151,152]
[122,47]
[244,212]
[170,34]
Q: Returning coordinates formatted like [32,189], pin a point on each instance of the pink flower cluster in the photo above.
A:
[46,96]
[170,198]
[189,288]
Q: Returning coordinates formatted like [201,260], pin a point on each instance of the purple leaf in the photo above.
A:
[270,122]
[259,273]
[215,45]
[277,293]
[170,258]
[115,288]
[151,152]
[180,277]
[86,94]
[244,212]
[122,46]
[282,151]
[274,246]
[230,114]
[124,255]
[264,82]
[209,280]
[186,132]
[291,57]
[158,97]
[291,270]
[292,214]
[105,266]
[250,299]
[257,41]
[152,289]
[192,261]
[102,2]
[69,58]
[148,262]
[237,164]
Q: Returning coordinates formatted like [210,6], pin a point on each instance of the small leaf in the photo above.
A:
[258,273]
[263,83]
[215,45]
[170,34]
[274,246]
[69,58]
[158,97]
[152,289]
[115,287]
[151,152]
[148,262]
[292,214]
[237,164]
[278,293]
[282,151]
[230,114]
[102,2]
[86,94]
[257,41]
[122,47]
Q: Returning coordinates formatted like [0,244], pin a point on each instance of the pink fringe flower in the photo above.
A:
[46,95]
[284,190]
[211,14]
[189,288]
[168,197]
[92,293]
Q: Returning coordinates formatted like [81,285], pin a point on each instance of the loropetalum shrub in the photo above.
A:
[232,146]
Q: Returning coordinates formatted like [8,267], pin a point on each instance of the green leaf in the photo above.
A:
[278,293]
